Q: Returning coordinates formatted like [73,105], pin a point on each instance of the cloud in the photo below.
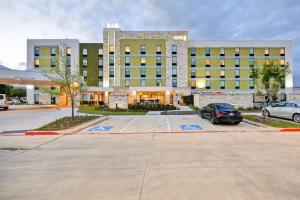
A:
[205,20]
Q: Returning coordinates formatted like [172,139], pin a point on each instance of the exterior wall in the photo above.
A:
[239,100]
[121,101]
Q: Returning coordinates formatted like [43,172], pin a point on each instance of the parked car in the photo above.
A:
[221,112]
[15,101]
[287,110]
[3,102]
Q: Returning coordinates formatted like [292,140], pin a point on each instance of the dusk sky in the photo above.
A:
[84,20]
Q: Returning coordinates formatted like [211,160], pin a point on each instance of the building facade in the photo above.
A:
[156,66]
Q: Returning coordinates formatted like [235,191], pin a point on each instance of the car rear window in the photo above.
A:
[224,107]
[1,97]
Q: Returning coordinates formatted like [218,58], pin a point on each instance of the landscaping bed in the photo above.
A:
[274,122]
[66,123]
[106,111]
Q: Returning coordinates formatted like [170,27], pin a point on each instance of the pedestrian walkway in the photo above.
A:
[185,108]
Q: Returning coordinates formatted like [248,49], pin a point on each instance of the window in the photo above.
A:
[237,73]
[207,73]
[53,61]
[68,62]
[282,62]
[174,60]
[143,60]
[36,88]
[69,51]
[174,49]
[143,82]
[53,50]
[251,62]
[100,62]
[36,63]
[282,51]
[193,62]
[222,62]
[193,84]
[84,52]
[100,73]
[84,73]
[127,49]
[251,84]
[127,82]
[100,84]
[84,62]
[158,82]
[158,49]
[193,51]
[251,51]
[127,60]
[222,84]
[158,72]
[222,73]
[143,49]
[222,51]
[266,51]
[36,51]
[100,52]
[237,84]
[111,59]
[237,51]
[237,62]
[53,88]
[158,60]
[111,72]
[143,72]
[174,72]
[193,73]
[207,62]
[127,72]
[207,51]
[174,82]
[207,84]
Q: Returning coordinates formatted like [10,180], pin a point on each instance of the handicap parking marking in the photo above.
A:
[100,128]
[192,127]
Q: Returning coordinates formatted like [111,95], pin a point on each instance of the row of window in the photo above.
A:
[237,51]
[85,52]
[208,73]
[143,60]
[222,84]
[52,51]
[143,49]
[53,62]
[237,62]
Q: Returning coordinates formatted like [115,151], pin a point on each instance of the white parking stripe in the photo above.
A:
[123,129]
[169,128]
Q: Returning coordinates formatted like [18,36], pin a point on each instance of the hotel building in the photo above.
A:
[155,66]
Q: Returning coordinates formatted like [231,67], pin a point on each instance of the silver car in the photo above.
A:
[288,110]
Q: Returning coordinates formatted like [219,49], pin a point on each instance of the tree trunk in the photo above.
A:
[72,104]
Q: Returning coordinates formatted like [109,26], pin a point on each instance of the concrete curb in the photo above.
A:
[290,130]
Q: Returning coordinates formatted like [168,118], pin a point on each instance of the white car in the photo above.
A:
[288,110]
[3,102]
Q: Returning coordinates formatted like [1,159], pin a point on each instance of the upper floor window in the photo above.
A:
[111,49]
[127,60]
[143,49]
[222,62]
[266,51]
[158,72]
[207,73]
[193,73]
[222,73]
[251,62]
[100,62]
[237,73]
[174,49]
[37,51]
[84,62]
[53,50]
[282,51]
[207,62]
[193,51]
[251,84]
[158,82]
[207,84]
[143,72]
[251,51]
[143,82]
[127,82]
[237,62]
[111,59]
[207,51]
[158,60]
[193,62]
[111,72]
[237,84]
[282,62]
[174,60]
[84,52]
[127,49]
[143,60]
[222,51]
[127,72]
[222,84]
[53,62]
[69,51]
[36,63]
[100,52]
[158,49]
[237,51]
[174,82]
[174,72]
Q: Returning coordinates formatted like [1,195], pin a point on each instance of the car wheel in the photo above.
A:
[296,118]
[267,113]
[236,123]
[213,120]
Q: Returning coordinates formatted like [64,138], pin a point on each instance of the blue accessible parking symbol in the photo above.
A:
[100,128]
[190,127]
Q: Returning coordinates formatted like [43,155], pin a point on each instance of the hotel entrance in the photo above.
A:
[147,97]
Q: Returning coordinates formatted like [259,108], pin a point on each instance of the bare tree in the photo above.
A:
[62,75]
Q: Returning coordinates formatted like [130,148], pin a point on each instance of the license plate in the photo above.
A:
[231,114]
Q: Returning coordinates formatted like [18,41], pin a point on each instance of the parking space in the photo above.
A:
[165,124]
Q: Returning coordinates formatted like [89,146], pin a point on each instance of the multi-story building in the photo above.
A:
[156,66]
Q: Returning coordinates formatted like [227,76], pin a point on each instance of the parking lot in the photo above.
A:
[166,124]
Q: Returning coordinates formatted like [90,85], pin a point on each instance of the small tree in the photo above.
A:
[62,75]
[255,75]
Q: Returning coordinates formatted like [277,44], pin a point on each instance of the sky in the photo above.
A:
[205,20]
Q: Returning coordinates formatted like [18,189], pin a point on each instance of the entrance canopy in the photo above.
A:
[23,77]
